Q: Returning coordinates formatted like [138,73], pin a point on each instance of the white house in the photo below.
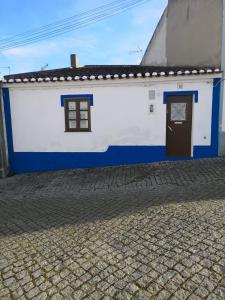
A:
[110,115]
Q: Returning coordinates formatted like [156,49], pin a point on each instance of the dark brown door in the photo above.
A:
[179,126]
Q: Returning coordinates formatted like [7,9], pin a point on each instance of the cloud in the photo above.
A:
[55,53]
[83,41]
[46,48]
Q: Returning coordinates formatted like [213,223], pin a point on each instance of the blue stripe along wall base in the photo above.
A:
[114,156]
[21,162]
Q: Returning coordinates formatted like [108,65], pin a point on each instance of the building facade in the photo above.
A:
[170,107]
[191,33]
[105,116]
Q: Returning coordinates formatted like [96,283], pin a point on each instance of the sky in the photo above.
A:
[112,41]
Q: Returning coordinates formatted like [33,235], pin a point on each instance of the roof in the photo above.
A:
[98,72]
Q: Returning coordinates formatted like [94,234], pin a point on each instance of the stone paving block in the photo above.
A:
[33,292]
[153,231]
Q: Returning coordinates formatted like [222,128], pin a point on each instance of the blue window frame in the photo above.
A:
[77,96]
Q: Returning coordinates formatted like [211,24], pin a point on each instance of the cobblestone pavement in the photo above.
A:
[152,231]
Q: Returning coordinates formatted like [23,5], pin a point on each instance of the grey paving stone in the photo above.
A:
[139,232]
[42,296]
[123,296]
[59,297]
[220,292]
[32,293]
[142,295]
[164,295]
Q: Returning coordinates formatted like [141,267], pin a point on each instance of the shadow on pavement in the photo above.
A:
[35,202]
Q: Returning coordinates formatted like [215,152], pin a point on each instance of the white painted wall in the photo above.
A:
[120,115]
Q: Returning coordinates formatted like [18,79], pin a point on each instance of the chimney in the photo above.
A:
[73,60]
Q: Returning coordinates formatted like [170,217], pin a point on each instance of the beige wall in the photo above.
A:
[194,32]
[193,35]
[152,55]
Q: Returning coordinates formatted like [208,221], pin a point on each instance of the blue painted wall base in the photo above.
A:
[114,156]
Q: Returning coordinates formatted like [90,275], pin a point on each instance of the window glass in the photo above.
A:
[72,105]
[84,115]
[72,115]
[83,105]
[83,124]
[72,124]
[178,111]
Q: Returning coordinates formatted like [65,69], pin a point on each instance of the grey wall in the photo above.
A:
[152,54]
[193,34]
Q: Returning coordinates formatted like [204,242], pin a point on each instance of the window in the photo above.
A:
[178,111]
[77,115]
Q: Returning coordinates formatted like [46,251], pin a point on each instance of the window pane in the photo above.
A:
[84,124]
[72,124]
[72,105]
[178,111]
[83,105]
[72,115]
[84,115]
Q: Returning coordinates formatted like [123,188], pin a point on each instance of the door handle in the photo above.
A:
[170,128]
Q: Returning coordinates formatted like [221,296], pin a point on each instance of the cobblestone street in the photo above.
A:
[152,231]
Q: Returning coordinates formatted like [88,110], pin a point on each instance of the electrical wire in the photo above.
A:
[87,18]
[69,24]
[61,22]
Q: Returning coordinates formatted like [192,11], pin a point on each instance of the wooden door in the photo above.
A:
[179,126]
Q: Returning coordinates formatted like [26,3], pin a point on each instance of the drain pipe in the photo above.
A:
[3,154]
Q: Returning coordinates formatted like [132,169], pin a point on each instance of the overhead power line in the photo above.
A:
[63,21]
[8,68]
[77,22]
[73,23]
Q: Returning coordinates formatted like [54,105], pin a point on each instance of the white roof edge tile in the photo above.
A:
[109,76]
